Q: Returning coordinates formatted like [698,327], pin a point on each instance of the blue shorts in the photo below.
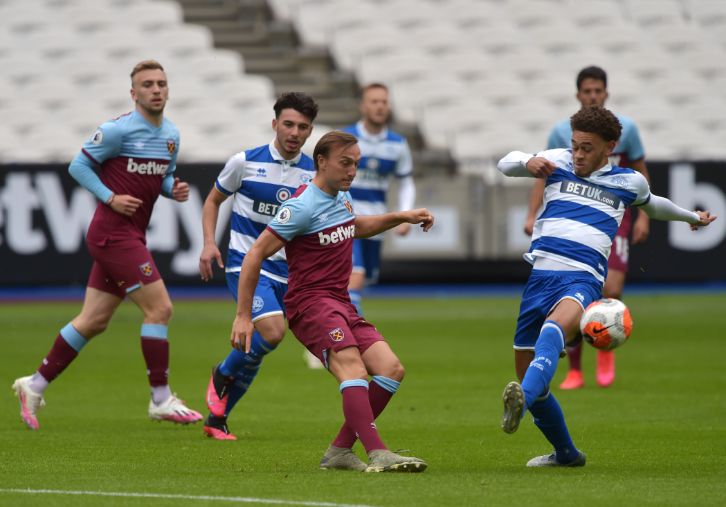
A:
[367,258]
[268,297]
[543,291]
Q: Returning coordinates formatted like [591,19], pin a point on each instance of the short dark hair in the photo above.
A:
[145,65]
[329,140]
[597,120]
[300,102]
[592,72]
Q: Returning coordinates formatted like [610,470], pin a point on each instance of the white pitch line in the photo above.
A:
[232,499]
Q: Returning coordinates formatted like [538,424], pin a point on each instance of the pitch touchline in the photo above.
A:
[233,499]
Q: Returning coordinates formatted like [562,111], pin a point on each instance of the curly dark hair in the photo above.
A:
[597,120]
[300,102]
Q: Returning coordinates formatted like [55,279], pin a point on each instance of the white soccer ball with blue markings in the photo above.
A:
[606,324]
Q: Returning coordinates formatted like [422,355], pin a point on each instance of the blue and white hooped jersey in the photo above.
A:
[261,180]
[382,155]
[581,215]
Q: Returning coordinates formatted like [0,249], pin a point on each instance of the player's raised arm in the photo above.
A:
[367,226]
[266,245]
[210,251]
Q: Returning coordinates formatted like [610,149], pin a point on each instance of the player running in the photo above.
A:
[317,227]
[585,199]
[261,179]
[135,156]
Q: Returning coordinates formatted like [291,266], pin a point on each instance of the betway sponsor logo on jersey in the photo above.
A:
[590,192]
[340,234]
[151,167]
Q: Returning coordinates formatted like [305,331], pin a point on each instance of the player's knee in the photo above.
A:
[91,325]
[272,329]
[396,371]
[160,313]
[392,369]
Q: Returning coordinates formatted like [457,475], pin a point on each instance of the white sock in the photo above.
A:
[38,383]
[160,394]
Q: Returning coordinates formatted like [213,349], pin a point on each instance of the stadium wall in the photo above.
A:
[44,215]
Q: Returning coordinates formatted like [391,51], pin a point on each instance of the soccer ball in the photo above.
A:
[606,324]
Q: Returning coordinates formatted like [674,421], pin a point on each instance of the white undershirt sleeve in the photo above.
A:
[515,164]
[661,208]
[406,193]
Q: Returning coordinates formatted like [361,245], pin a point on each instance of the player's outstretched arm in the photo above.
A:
[210,251]
[242,328]
[662,208]
[367,226]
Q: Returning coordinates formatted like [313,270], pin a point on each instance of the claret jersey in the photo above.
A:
[318,231]
[134,157]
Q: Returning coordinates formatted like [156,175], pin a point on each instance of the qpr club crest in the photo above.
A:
[171,146]
[257,304]
[337,335]
[146,269]
[372,164]
[348,206]
[282,194]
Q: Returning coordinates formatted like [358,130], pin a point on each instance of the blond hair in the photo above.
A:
[145,65]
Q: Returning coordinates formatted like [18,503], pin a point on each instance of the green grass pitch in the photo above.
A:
[656,437]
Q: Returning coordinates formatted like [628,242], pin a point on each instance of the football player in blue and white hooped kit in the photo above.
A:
[584,201]
[384,154]
[261,179]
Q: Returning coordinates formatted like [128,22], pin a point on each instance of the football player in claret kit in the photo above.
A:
[135,156]
[584,202]
[261,179]
[317,227]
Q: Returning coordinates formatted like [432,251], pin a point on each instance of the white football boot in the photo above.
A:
[30,401]
[174,410]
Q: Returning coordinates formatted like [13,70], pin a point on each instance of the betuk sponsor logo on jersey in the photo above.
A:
[338,235]
[151,167]
[590,192]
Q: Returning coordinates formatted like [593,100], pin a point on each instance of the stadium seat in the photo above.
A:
[650,13]
[595,12]
[394,66]
[709,14]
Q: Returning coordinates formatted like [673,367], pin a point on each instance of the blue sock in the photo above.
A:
[244,367]
[547,350]
[356,298]
[550,420]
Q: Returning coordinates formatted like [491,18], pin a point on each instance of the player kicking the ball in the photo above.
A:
[317,227]
[584,202]
[135,155]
